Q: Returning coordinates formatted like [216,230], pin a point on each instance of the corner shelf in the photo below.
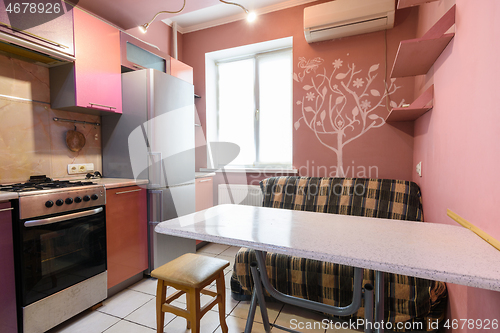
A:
[416,56]
[420,106]
[411,3]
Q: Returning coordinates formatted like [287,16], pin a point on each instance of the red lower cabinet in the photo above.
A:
[204,188]
[126,233]
[8,318]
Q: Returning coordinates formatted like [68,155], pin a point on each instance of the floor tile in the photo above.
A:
[237,325]
[86,322]
[301,319]
[146,315]
[230,303]
[146,285]
[124,303]
[208,324]
[213,248]
[230,252]
[273,310]
[128,327]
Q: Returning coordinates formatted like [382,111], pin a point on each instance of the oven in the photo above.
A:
[60,254]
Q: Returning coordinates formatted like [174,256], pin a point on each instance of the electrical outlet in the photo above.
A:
[80,168]
[419,169]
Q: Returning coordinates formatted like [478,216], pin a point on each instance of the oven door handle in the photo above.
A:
[55,219]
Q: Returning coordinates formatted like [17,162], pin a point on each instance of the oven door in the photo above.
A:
[58,251]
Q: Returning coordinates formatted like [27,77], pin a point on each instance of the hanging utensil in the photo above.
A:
[75,140]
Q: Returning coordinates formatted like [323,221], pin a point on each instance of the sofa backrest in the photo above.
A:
[382,198]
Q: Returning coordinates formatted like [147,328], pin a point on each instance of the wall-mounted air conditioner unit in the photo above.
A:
[341,18]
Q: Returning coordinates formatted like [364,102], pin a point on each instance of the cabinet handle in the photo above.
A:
[104,106]
[123,192]
[33,35]
[6,209]
[204,180]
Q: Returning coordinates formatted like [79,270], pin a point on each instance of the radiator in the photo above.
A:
[249,195]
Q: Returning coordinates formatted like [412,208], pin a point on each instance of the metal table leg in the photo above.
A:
[251,312]
[379,301]
[260,296]
[262,280]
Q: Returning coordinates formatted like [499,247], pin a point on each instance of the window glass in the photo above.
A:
[275,105]
[236,108]
[255,108]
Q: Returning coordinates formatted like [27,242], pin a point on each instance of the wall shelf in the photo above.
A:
[411,3]
[416,56]
[416,109]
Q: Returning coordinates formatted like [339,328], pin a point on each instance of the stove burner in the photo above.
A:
[43,184]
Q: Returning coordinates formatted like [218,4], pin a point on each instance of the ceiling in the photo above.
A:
[197,14]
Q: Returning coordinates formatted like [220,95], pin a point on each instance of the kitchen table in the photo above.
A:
[427,250]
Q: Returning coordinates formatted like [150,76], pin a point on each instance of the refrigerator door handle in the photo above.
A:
[155,164]
[158,203]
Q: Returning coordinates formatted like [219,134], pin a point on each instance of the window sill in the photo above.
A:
[253,170]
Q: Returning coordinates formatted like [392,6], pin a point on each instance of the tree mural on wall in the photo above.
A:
[341,107]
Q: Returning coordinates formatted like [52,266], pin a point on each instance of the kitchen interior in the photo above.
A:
[86,175]
[82,214]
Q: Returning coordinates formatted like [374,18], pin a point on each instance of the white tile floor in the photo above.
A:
[133,310]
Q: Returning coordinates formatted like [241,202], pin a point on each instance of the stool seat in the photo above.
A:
[190,274]
[190,270]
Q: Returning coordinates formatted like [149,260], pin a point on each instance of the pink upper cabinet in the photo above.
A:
[97,65]
[92,84]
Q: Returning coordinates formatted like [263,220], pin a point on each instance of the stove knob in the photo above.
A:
[69,201]
[94,197]
[78,199]
[59,202]
[49,204]
[86,198]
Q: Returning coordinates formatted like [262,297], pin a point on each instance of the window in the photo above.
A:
[254,108]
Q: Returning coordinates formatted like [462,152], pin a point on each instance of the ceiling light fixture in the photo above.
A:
[143,28]
[251,16]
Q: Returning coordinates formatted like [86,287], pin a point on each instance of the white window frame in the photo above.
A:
[246,52]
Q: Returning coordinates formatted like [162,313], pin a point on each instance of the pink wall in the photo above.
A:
[387,149]
[457,141]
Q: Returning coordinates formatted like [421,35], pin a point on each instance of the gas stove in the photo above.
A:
[59,232]
[42,196]
[41,183]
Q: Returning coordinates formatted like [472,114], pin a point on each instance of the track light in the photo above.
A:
[143,28]
[251,16]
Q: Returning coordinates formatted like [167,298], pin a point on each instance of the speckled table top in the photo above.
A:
[428,250]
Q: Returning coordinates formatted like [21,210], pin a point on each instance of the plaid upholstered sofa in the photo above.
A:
[407,299]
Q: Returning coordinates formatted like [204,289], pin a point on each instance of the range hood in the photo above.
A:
[32,52]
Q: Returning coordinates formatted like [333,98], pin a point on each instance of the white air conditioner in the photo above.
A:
[341,18]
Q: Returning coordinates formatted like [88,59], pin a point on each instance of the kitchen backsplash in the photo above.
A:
[31,142]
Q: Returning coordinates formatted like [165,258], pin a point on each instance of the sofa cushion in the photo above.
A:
[382,198]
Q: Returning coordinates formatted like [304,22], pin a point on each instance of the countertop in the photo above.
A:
[427,250]
[107,182]
[203,174]
[6,196]
[118,182]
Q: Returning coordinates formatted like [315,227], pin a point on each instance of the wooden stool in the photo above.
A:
[189,274]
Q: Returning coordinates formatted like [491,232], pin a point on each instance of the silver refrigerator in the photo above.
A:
[153,139]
